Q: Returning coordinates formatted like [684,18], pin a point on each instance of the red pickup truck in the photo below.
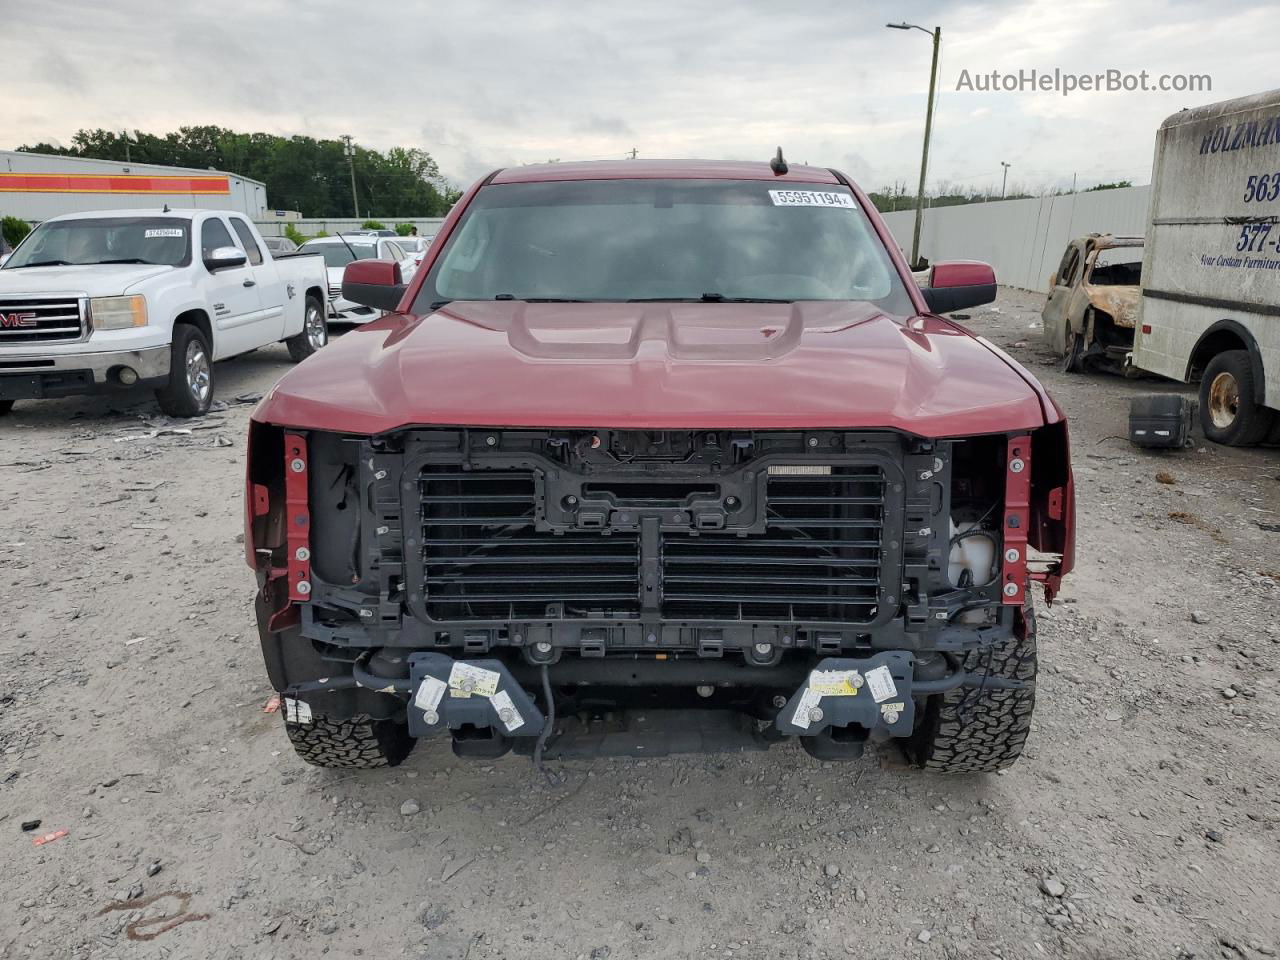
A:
[655,457]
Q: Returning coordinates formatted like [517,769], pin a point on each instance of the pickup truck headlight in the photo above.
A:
[118,313]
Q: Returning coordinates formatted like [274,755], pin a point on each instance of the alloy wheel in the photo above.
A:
[199,376]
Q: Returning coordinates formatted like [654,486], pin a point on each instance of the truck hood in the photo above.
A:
[658,366]
[90,279]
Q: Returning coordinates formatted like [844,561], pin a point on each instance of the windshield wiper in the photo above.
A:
[721,298]
[130,260]
[46,263]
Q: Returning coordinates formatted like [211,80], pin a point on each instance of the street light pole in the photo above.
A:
[936,34]
[350,152]
[1005,179]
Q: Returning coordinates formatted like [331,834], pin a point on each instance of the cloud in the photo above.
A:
[492,83]
[605,125]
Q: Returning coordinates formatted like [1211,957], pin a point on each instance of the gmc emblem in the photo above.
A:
[12,320]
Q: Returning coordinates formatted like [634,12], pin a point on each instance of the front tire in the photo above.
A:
[5,407]
[189,392]
[977,730]
[1228,413]
[1073,353]
[360,742]
[314,333]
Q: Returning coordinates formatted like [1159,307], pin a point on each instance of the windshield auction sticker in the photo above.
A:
[812,198]
[155,232]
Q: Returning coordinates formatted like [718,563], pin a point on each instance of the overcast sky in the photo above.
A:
[487,83]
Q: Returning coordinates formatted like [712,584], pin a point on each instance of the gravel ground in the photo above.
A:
[1141,823]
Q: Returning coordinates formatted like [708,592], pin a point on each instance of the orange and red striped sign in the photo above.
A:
[111,183]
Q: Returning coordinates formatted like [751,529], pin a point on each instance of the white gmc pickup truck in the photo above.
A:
[101,301]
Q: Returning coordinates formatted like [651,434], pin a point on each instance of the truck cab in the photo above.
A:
[652,457]
[106,301]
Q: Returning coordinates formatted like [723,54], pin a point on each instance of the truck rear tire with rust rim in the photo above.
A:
[360,742]
[189,392]
[977,729]
[1228,413]
[314,333]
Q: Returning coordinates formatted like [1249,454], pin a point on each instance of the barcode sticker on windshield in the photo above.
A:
[155,232]
[812,198]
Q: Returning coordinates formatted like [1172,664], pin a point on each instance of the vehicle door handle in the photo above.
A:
[250,283]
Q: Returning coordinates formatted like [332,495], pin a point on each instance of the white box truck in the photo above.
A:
[104,301]
[1210,308]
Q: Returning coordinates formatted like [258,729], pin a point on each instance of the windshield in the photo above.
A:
[158,240]
[337,255]
[663,240]
[1117,266]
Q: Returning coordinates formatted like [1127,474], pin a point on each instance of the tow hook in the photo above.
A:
[875,693]
[455,695]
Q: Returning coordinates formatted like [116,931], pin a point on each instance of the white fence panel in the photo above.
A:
[427,226]
[1022,239]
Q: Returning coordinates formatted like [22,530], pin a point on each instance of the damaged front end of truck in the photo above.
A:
[645,592]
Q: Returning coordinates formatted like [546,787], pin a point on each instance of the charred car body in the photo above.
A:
[657,457]
[1092,306]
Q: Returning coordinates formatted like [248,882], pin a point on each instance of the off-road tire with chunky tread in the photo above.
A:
[360,742]
[977,730]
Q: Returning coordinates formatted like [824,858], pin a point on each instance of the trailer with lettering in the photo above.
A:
[1210,307]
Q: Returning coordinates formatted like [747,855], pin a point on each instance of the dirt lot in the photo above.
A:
[1142,823]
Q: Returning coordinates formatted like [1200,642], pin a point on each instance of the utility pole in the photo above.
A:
[633,151]
[350,152]
[1005,179]
[126,147]
[936,33]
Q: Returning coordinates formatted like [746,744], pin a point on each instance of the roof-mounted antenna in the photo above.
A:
[166,209]
[778,165]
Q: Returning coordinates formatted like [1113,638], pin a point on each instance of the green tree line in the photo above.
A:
[301,173]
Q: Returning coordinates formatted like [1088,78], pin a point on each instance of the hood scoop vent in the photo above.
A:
[629,332]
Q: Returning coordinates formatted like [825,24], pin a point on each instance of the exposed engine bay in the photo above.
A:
[479,580]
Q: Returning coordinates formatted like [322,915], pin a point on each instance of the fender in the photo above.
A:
[1251,345]
[193,306]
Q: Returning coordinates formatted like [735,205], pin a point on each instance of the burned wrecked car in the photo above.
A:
[653,457]
[1093,302]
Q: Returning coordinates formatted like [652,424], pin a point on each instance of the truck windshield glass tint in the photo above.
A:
[621,240]
[336,255]
[158,240]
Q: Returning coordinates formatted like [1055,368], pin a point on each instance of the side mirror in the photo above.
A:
[957,284]
[223,258]
[373,283]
